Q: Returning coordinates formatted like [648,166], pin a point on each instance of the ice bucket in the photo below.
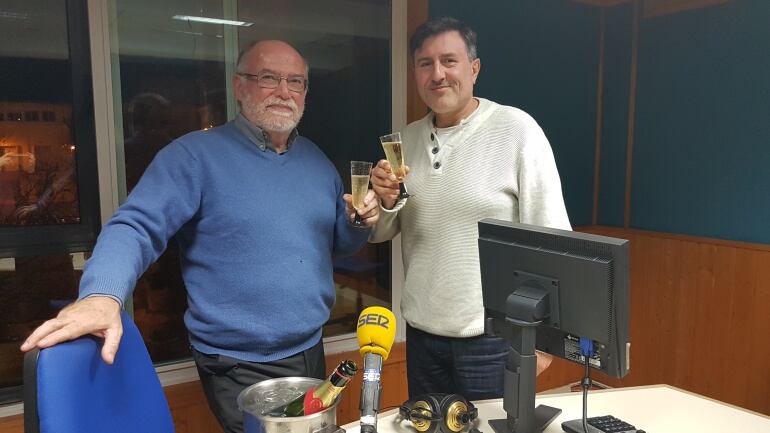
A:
[257,398]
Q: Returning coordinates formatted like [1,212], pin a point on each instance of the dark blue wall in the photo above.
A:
[702,151]
[541,56]
[617,77]
[701,157]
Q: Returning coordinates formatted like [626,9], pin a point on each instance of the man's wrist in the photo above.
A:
[105,295]
[393,209]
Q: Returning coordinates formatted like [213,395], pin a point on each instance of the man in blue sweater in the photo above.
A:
[258,212]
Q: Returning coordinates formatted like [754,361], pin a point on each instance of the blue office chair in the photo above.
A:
[69,389]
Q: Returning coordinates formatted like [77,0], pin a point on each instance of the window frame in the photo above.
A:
[95,97]
[69,238]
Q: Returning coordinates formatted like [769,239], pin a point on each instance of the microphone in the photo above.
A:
[376,332]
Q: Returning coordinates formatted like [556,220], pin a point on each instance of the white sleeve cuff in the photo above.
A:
[399,204]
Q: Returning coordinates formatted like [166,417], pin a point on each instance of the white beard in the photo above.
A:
[268,120]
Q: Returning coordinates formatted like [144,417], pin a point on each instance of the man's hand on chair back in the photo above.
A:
[97,315]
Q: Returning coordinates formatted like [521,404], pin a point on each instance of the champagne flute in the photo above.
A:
[394,153]
[359,182]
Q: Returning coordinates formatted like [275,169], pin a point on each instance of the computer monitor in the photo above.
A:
[547,288]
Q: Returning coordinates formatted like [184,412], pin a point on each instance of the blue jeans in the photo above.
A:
[473,367]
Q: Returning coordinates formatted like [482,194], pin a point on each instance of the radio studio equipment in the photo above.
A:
[439,413]
[376,332]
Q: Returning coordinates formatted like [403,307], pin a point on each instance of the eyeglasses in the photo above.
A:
[269,80]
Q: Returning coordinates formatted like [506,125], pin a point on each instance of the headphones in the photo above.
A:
[439,413]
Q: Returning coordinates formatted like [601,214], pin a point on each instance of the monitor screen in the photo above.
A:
[585,277]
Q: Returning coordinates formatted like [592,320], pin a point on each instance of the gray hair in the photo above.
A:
[242,54]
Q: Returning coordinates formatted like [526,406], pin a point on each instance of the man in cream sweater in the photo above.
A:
[470,159]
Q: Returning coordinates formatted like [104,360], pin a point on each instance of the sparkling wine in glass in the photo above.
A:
[359,181]
[394,153]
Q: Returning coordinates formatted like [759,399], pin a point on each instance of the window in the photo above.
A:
[48,196]
[187,65]
[347,44]
[160,61]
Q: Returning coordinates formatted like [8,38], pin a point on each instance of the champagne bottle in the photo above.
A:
[319,397]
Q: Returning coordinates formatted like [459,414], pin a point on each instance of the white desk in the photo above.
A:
[655,409]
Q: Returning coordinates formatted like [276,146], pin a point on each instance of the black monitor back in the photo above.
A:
[586,276]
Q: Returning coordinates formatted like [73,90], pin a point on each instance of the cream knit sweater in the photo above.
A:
[497,163]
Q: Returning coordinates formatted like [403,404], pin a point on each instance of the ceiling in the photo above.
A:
[35,28]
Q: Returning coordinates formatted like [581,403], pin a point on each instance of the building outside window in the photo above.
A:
[48,196]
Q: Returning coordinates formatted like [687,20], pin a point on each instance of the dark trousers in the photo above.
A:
[473,367]
[223,378]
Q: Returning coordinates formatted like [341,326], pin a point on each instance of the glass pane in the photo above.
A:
[38,180]
[39,177]
[172,81]
[34,289]
[347,43]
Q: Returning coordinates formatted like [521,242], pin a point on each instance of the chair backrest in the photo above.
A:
[69,389]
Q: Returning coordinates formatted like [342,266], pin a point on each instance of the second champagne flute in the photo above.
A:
[359,183]
[394,153]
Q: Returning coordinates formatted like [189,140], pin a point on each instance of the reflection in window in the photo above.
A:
[37,170]
[347,44]
[37,173]
[172,80]
[32,290]
[36,189]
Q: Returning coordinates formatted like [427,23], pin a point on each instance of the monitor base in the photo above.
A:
[544,415]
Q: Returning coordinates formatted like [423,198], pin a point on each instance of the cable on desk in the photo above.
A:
[587,350]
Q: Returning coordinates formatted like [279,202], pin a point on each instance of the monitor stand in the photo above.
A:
[544,416]
[521,370]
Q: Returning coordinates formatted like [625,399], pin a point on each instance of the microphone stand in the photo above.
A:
[370,392]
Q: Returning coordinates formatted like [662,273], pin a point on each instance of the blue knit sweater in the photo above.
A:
[257,232]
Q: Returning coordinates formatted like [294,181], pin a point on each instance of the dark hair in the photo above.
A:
[439,25]
[149,111]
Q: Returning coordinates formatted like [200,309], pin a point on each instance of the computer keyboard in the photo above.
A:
[600,424]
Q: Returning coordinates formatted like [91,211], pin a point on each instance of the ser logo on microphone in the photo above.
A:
[373,319]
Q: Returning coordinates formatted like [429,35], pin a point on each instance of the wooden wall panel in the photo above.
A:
[417,13]
[189,409]
[12,424]
[699,317]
